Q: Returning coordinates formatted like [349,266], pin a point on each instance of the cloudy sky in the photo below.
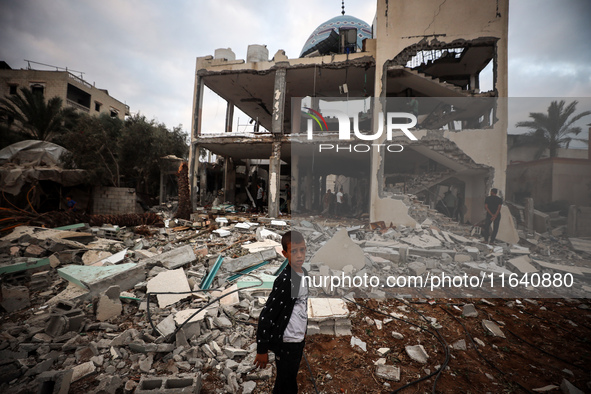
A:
[143,51]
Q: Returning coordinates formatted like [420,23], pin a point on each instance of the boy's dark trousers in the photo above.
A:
[287,360]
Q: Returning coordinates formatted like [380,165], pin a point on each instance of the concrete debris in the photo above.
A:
[568,388]
[388,372]
[170,280]
[85,333]
[174,258]
[15,298]
[109,304]
[417,353]
[339,252]
[83,370]
[492,328]
[460,345]
[359,343]
[469,311]
[545,389]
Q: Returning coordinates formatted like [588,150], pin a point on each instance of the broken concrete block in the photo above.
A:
[232,352]
[82,370]
[423,241]
[522,264]
[222,232]
[34,251]
[262,374]
[164,282]
[109,304]
[462,258]
[388,372]
[15,298]
[417,268]
[460,345]
[228,300]
[545,389]
[568,388]
[507,229]
[339,252]
[359,343]
[92,256]
[417,353]
[64,318]
[492,328]
[383,351]
[181,384]
[248,387]
[108,384]
[263,245]
[327,308]
[54,382]
[235,265]
[263,234]
[145,363]
[167,326]
[99,279]
[174,258]
[469,311]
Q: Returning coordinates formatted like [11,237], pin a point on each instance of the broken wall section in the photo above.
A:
[114,200]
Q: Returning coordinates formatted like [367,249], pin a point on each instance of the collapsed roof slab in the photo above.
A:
[242,147]
[251,90]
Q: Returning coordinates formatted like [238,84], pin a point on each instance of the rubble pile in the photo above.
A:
[105,309]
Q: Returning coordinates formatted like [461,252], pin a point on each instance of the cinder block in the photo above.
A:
[54,382]
[182,384]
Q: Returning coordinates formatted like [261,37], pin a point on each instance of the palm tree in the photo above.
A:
[28,113]
[553,129]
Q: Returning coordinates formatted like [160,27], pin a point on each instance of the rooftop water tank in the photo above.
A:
[257,53]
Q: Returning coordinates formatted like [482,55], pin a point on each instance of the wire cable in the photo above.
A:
[436,335]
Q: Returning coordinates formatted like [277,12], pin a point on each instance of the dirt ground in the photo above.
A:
[544,343]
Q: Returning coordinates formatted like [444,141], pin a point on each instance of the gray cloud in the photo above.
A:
[143,51]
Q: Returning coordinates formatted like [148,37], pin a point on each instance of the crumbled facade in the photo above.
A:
[416,50]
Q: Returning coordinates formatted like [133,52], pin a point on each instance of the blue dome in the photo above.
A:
[323,31]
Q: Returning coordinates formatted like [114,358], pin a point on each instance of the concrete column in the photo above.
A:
[571,224]
[229,117]
[202,183]
[195,133]
[318,192]
[296,117]
[229,180]
[279,101]
[308,188]
[274,178]
[295,183]
[529,215]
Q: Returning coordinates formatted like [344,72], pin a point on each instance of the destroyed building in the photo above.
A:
[411,50]
[171,306]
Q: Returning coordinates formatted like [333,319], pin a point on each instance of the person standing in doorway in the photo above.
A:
[339,206]
[492,205]
[260,195]
[288,198]
[71,204]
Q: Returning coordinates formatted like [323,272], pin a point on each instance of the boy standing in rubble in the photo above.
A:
[283,320]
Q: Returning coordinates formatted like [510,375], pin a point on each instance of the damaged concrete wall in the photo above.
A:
[403,23]
[113,200]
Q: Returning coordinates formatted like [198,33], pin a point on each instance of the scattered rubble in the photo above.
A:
[77,318]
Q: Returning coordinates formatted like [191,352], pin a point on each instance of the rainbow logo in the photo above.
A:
[316,118]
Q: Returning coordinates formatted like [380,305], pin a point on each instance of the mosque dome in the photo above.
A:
[323,38]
